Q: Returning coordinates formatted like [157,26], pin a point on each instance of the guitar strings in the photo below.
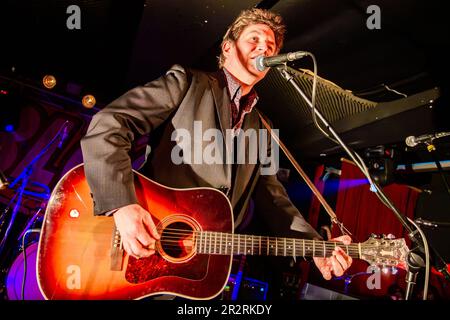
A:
[174,236]
[249,252]
[175,242]
[317,243]
[179,232]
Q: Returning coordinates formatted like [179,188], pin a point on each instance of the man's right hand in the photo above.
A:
[137,230]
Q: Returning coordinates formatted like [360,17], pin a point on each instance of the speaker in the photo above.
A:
[312,292]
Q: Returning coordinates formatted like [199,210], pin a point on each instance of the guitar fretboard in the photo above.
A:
[228,243]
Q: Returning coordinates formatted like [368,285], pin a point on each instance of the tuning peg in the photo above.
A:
[390,236]
[374,236]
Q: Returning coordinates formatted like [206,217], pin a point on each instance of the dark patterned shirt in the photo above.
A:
[240,106]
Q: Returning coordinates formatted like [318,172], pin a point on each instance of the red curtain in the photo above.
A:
[314,209]
[362,213]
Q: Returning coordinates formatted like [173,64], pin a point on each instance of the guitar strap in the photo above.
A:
[305,177]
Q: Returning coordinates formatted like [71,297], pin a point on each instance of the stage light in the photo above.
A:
[88,101]
[49,81]
[3,181]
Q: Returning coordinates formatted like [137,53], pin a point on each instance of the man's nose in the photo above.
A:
[262,47]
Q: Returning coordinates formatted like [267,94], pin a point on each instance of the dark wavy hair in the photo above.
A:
[255,16]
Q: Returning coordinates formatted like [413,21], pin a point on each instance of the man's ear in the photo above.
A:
[226,48]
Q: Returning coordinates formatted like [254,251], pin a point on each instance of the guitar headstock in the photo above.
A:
[384,251]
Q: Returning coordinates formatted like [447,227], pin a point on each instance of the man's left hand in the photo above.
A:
[337,263]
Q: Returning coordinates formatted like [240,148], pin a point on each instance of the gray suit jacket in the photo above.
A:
[174,102]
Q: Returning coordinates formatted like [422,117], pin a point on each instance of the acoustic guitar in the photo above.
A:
[80,255]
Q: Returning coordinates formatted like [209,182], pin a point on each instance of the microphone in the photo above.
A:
[267,62]
[413,141]
[64,135]
[3,181]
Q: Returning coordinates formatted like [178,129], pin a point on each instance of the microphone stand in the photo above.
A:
[415,263]
[24,178]
[432,150]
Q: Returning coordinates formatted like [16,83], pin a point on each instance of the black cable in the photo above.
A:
[24,277]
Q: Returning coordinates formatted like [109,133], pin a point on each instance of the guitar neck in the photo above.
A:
[241,244]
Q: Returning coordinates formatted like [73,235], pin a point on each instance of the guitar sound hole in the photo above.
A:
[177,240]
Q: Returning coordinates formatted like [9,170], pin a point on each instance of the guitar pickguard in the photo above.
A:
[146,269]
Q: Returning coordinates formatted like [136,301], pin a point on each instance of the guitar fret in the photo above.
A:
[217,252]
[219,235]
[196,243]
[204,242]
[276,246]
[252,245]
[232,244]
[346,246]
[284,241]
[294,254]
[304,253]
[245,245]
[314,248]
[226,242]
[210,238]
[215,242]
[259,245]
[267,246]
[239,244]
[324,250]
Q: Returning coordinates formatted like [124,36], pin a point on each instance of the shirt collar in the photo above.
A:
[234,89]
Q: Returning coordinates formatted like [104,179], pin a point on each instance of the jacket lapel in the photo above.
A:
[222,101]
[222,105]
[244,171]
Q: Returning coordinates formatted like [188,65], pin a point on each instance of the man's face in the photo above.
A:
[255,40]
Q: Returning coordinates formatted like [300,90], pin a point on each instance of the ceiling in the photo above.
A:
[123,44]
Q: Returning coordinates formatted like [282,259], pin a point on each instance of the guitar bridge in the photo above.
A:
[116,251]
